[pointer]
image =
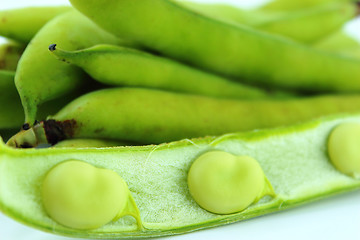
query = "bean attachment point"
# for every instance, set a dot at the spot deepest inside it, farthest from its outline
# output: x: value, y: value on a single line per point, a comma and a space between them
x: 26, y: 126
x: 52, y: 47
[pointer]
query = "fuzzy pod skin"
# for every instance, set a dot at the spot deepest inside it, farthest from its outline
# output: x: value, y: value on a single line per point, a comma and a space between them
x: 10, y: 54
x: 119, y: 66
x: 294, y: 159
x: 304, y: 25
x: 153, y: 116
x: 40, y: 77
x: 239, y: 52
x: 22, y: 24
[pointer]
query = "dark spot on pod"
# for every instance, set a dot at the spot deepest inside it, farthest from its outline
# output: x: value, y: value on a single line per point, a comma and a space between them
x: 36, y: 122
x: 64, y: 60
x: 99, y: 130
x: 26, y: 126
x: 26, y: 145
x: 57, y: 131
x: 2, y: 64
x: 52, y: 47
x: 358, y: 7
x: 9, y: 50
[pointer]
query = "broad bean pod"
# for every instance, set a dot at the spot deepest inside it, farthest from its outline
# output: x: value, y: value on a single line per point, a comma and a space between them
x: 157, y: 178
x: 119, y: 66
x: 88, y: 143
x: 304, y: 25
x: 22, y: 24
x: 286, y: 5
x: 11, y: 111
x: 341, y: 43
x: 239, y: 52
x: 10, y: 54
x: 153, y: 116
x: 39, y: 77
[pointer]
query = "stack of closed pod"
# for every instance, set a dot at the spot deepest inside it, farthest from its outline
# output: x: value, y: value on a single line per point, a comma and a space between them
x: 111, y: 73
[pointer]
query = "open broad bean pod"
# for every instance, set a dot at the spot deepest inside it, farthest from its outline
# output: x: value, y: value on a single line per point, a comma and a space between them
x: 161, y: 198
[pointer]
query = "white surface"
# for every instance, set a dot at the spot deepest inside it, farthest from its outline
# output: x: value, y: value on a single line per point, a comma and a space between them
x: 334, y: 218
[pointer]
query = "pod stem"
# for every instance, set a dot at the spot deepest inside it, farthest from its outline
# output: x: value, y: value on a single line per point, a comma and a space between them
x: 45, y: 132
x: 28, y: 137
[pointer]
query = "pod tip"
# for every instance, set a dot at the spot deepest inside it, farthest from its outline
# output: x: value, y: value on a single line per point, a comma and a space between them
x: 52, y: 47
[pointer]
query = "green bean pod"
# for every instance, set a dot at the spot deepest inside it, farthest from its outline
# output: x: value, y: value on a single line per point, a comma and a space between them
x: 294, y: 160
x: 308, y: 25
x: 153, y: 116
x: 22, y: 24
x: 119, y: 66
x: 10, y: 54
x: 340, y: 43
x: 40, y: 77
x: 235, y: 51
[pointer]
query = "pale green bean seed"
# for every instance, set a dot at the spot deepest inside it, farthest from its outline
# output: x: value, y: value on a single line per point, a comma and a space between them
x: 344, y: 148
x: 81, y: 196
x: 223, y: 183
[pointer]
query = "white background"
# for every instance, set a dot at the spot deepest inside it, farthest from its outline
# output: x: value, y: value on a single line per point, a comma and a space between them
x: 334, y: 218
